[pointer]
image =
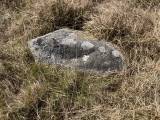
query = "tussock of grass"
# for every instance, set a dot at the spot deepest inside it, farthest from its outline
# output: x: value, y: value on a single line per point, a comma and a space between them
x: 136, y: 31
x: 147, y: 4
x: 64, y: 13
x: 14, y: 4
x: 118, y: 19
x: 29, y: 90
x: 43, y: 17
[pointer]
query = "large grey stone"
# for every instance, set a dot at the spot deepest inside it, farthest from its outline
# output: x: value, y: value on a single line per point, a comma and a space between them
x: 69, y: 48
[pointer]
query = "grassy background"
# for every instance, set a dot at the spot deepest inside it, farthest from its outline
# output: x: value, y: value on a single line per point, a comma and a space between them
x: 29, y: 90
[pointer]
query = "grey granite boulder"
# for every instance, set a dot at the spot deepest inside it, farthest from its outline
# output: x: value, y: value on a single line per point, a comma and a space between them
x: 74, y: 49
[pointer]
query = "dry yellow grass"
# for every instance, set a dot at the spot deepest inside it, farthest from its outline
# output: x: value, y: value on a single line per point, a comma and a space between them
x: 29, y: 90
x: 134, y: 30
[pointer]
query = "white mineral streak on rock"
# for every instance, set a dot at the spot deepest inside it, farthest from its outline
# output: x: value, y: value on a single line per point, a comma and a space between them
x: 87, y: 45
x: 115, y: 53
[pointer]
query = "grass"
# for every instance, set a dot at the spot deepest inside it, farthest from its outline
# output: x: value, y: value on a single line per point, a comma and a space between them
x: 147, y: 4
x: 30, y: 90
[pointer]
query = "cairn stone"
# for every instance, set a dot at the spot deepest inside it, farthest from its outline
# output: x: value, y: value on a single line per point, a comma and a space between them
x: 68, y: 48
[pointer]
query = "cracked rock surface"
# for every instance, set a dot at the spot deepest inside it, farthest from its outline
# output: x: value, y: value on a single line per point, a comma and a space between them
x: 67, y: 48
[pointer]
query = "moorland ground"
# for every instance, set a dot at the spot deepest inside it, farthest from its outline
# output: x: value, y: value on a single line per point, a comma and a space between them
x: 30, y: 90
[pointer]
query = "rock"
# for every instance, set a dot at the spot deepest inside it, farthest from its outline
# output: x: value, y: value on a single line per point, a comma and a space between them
x: 69, y: 48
